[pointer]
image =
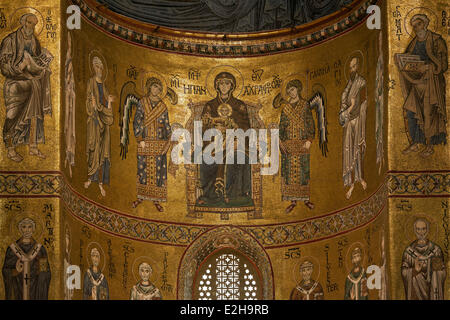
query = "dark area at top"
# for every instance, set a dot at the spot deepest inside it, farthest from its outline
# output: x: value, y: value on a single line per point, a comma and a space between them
x: 225, y: 15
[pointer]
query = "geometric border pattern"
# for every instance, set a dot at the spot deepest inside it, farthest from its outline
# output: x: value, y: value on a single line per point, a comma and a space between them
x: 35, y: 184
x: 53, y: 184
x: 181, y: 42
x: 22, y: 183
x: 431, y: 183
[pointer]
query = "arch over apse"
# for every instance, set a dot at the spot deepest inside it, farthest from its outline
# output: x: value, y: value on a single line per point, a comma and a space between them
x: 223, y: 238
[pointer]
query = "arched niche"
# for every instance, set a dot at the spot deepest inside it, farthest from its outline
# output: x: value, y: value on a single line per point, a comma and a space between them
x: 209, y: 247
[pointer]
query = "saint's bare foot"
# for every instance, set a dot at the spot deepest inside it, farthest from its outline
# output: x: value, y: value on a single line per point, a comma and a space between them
x: 102, y: 191
x: 349, y: 192
x: 364, y: 184
x: 36, y: 152
x: 14, y: 156
x: 411, y: 148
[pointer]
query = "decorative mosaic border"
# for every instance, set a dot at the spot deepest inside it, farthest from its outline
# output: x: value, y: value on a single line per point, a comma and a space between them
x: 53, y: 184
x: 183, y: 44
x: 27, y: 184
x: 140, y: 229
x: 323, y: 227
x: 430, y: 184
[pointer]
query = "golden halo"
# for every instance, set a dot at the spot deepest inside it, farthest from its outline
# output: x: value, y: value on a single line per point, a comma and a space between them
x: 67, y: 230
x: 296, y: 269
x: 144, y: 75
x: 89, y: 247
x: 409, y: 233
x: 433, y: 25
x: 299, y: 76
x: 224, y: 110
x: 96, y: 53
x: 14, y: 226
x: 348, y: 257
x: 224, y: 68
x: 137, y: 262
x: 18, y: 13
x: 358, y: 54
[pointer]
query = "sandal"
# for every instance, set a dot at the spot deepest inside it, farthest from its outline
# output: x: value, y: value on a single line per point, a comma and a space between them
x: 158, y: 207
x: 136, y: 203
x: 291, y: 207
x: 309, y: 204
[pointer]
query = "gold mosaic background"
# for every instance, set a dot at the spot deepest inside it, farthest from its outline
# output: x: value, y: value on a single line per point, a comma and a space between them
x: 325, y: 64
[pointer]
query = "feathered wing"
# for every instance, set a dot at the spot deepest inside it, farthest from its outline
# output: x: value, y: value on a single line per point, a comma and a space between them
x: 172, y: 96
x: 129, y: 98
x: 317, y: 103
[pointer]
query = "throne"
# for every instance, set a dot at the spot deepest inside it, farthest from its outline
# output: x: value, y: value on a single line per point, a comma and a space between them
x: 193, y: 187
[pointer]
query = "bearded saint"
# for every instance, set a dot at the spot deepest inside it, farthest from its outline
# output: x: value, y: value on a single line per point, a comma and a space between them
x: 26, y: 89
x: 352, y: 117
x: 424, y: 89
x: 423, y: 268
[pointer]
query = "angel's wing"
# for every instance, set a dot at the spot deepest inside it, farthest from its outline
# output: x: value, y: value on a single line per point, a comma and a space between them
x: 317, y: 103
x: 196, y: 114
x: 128, y: 98
x: 172, y: 96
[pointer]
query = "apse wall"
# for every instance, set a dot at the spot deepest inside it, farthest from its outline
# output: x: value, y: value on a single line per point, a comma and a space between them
x: 189, y: 237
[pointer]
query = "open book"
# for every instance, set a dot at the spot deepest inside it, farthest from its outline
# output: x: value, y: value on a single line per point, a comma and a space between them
x: 37, y: 63
x: 408, y: 62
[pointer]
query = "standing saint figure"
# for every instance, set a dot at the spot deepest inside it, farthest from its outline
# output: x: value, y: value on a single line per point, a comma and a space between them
x: 352, y: 117
x: 27, y: 93
x: 144, y: 289
x: 423, y: 267
x: 26, y: 271
x: 297, y: 131
x: 356, y: 281
x: 152, y: 131
x: 100, y: 118
x: 379, y: 103
x: 423, y: 88
x: 69, y: 116
x: 307, y: 289
x: 95, y: 286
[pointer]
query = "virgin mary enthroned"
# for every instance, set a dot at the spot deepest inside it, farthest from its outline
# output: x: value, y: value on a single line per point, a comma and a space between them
x: 225, y: 185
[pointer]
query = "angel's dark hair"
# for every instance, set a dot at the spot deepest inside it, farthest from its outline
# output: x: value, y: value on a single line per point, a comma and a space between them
x: 295, y: 83
x: 151, y: 81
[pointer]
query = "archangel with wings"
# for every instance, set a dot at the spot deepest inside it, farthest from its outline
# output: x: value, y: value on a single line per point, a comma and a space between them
x: 152, y: 130
x: 297, y: 130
